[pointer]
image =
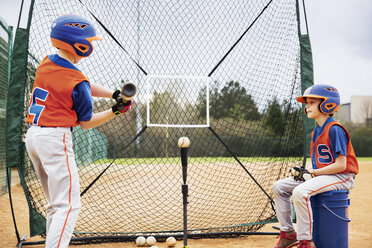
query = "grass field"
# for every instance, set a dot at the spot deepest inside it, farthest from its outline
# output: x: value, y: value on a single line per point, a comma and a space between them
x: 157, y: 160
x: 134, y: 161
x: 364, y: 159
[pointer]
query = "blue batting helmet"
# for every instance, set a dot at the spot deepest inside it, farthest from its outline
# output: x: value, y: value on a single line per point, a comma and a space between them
x: 74, y: 34
x: 329, y: 94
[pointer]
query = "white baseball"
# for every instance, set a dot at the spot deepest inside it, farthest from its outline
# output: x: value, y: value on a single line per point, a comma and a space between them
x: 171, y: 241
x: 154, y: 246
x: 150, y: 240
x: 183, y: 142
x: 140, y: 241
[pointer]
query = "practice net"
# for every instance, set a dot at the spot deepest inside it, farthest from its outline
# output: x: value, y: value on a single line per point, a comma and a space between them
x: 223, y: 73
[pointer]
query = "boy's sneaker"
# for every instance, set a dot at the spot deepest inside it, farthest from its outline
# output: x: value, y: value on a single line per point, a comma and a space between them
x: 306, y: 244
x: 287, y: 240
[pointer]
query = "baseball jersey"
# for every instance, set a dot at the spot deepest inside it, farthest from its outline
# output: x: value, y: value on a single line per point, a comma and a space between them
x: 327, y: 142
x: 60, y: 96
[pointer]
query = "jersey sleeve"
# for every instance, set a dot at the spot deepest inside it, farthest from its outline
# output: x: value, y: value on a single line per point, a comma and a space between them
x: 82, y: 97
x: 339, y: 140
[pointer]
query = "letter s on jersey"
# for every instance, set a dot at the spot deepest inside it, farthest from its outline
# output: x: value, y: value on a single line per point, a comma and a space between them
x: 36, y: 109
x: 324, y: 153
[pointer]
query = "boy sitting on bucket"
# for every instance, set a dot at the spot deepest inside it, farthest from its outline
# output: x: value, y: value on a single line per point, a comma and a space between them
x: 334, y: 167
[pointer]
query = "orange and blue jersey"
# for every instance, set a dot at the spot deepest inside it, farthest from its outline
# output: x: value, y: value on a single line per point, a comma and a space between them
x: 328, y: 142
x: 61, y: 96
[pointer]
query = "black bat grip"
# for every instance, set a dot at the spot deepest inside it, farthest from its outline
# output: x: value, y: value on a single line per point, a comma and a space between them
x: 121, y: 99
x: 185, y: 193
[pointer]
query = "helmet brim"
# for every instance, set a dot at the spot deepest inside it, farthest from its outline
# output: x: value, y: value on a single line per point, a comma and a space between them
x: 302, y: 99
x: 97, y: 37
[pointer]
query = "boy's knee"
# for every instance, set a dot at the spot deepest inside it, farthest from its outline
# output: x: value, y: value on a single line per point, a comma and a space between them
x: 277, y: 188
x: 298, y: 195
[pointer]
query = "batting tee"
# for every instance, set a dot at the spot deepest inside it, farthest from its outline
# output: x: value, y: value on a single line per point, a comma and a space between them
x: 223, y: 73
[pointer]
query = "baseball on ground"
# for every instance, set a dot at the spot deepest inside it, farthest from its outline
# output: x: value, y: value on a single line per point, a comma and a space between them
x: 140, y: 241
x: 171, y: 241
x: 183, y: 142
x: 150, y: 240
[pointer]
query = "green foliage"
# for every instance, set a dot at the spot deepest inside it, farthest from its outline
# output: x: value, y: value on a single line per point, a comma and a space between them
x: 360, y: 131
x: 232, y: 101
x: 165, y: 109
x: 361, y: 139
x: 274, y: 117
x: 283, y: 118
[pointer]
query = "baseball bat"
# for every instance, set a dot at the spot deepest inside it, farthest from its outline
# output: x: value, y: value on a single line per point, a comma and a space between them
x: 127, y: 92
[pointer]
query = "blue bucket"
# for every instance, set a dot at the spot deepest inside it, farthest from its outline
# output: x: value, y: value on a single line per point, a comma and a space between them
x: 330, y: 215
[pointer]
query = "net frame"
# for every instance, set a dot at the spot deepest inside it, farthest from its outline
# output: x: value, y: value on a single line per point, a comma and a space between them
x: 215, y: 232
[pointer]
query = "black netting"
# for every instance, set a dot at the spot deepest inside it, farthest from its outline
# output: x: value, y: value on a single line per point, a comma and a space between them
x: 252, y: 109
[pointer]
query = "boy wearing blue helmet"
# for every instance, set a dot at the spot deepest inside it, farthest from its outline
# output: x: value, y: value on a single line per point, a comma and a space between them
x: 61, y: 99
x: 334, y: 167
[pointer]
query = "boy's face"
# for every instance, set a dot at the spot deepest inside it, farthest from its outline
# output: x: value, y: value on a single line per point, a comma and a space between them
x: 312, y: 107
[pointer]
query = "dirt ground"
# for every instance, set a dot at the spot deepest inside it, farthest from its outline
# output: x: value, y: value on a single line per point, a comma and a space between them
x: 360, y: 228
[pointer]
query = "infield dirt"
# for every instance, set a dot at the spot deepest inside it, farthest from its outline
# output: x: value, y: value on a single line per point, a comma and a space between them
x: 360, y: 228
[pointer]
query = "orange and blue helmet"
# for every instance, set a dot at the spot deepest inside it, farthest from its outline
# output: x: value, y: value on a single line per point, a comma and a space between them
x: 329, y: 95
x: 74, y: 34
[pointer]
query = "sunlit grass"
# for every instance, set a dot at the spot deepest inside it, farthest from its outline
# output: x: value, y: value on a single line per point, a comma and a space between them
x: 171, y: 160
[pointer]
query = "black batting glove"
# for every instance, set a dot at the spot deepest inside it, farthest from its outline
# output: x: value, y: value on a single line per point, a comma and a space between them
x: 116, y: 95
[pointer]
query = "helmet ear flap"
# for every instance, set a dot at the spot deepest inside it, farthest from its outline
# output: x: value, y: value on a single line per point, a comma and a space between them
x: 83, y: 48
x: 328, y: 107
x: 320, y: 106
x: 305, y: 106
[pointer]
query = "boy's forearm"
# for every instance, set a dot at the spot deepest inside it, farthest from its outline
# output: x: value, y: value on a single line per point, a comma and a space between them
x: 97, y: 119
x: 338, y: 166
x: 100, y: 91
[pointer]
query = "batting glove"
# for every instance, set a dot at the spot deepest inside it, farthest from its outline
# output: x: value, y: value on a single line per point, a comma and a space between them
x: 116, y: 95
x: 121, y: 107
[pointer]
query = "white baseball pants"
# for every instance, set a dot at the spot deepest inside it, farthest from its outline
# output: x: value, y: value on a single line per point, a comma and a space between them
x: 50, y: 150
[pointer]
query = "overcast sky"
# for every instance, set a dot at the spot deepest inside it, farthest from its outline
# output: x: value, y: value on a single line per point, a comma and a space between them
x: 340, y: 34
